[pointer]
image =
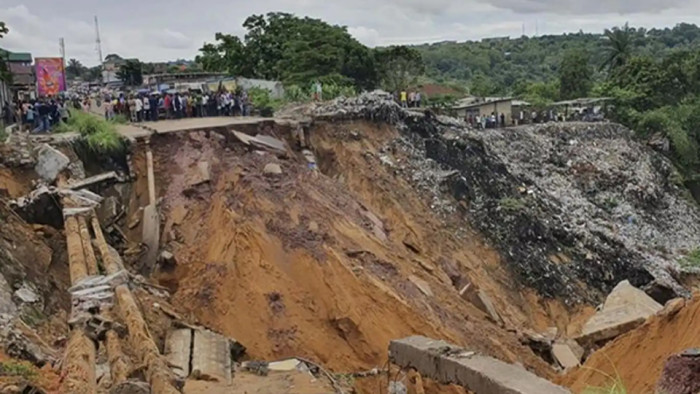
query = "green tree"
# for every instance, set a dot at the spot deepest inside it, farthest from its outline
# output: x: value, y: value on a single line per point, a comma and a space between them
x: 399, y: 67
x: 4, y: 71
x: 619, y: 47
x: 130, y: 73
x: 295, y: 50
x: 575, y: 75
x: 75, y: 69
x: 93, y: 73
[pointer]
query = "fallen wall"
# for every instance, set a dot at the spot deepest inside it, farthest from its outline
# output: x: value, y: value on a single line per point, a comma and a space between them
x: 481, y: 374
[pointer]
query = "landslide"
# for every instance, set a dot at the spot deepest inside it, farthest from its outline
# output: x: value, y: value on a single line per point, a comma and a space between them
x: 330, y: 264
x: 638, y: 357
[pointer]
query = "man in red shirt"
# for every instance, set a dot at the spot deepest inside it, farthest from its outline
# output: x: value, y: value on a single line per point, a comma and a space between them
x: 167, y: 104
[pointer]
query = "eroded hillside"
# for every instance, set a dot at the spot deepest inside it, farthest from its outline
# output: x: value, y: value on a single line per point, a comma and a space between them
x: 327, y: 234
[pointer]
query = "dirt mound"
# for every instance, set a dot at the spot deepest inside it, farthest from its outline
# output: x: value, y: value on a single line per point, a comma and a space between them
x: 638, y: 357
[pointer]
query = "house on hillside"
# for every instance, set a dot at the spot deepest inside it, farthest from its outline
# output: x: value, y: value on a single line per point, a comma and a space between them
x: 582, y: 107
x: 475, y: 106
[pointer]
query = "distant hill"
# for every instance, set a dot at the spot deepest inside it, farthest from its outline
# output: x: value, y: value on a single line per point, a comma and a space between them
x: 502, y: 62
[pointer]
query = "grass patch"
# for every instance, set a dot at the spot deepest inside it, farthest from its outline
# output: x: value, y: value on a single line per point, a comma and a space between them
x: 615, y: 387
x: 692, y: 260
x: 119, y: 119
x: 100, y: 136
x: 615, y: 384
x: 14, y: 368
x: 511, y: 204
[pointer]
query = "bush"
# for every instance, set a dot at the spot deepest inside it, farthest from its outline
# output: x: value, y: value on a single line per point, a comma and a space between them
x: 511, y: 204
x: 261, y: 100
x: 21, y: 369
x: 692, y: 260
x: 99, y: 135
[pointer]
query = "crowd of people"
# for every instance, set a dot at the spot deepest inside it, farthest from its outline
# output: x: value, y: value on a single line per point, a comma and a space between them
x: 37, y: 116
x: 487, y: 121
x: 408, y: 99
x: 153, y: 106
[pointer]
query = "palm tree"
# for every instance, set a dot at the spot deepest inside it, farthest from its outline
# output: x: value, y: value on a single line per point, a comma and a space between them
x: 619, y: 48
x: 74, y: 68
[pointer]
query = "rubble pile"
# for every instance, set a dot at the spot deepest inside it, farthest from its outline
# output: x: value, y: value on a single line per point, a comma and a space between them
x: 575, y: 208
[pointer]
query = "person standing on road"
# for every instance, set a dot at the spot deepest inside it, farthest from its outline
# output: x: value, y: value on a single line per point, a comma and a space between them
x: 138, y: 108
x: 63, y: 111
x: 404, y: 99
x: 503, y: 120
x: 418, y: 99
x: 146, y: 109
x: 167, y: 105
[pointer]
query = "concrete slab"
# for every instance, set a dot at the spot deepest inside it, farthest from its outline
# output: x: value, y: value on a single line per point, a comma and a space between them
x: 626, y: 294
x: 150, y: 236
x: 565, y: 356
x: 108, y: 176
x: 284, y: 365
x: 610, y: 323
x: 448, y: 363
x: 50, y: 162
x: 625, y: 308
x: 481, y: 300
x: 175, y: 125
x: 177, y: 350
x: 211, y: 356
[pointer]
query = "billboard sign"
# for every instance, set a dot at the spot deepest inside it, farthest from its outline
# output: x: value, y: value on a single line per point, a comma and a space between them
x: 50, y: 78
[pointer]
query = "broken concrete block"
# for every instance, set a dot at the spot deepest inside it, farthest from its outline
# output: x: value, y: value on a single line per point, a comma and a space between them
x: 50, y: 163
x: 177, y: 350
x: 27, y: 294
x: 150, y: 236
x: 448, y: 363
x: 108, y: 176
x: 284, y: 365
x: 480, y: 300
x: 625, y: 308
x: 422, y: 285
x: 564, y: 356
x: 272, y: 169
x: 269, y: 142
x: 625, y: 294
x: 7, y: 306
x: 166, y: 258
x: 211, y: 356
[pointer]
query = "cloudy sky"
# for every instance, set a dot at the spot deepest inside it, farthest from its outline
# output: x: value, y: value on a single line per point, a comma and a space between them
x: 156, y: 30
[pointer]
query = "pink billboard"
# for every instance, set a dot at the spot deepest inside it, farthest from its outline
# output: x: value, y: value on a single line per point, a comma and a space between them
x: 50, y: 79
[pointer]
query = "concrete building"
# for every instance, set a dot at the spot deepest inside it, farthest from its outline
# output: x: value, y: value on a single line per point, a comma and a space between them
x: 484, y: 107
x: 23, y: 83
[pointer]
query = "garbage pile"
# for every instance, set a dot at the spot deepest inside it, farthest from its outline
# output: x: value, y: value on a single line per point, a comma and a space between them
x: 575, y: 208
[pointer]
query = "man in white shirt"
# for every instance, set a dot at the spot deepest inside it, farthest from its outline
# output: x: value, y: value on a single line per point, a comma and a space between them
x: 138, y: 106
x: 146, y: 108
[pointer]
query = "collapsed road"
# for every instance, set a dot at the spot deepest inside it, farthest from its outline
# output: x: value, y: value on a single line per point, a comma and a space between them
x: 322, y: 236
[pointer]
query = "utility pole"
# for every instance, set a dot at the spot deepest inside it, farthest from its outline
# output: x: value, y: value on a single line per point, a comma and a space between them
x: 98, y: 42
x: 62, y: 46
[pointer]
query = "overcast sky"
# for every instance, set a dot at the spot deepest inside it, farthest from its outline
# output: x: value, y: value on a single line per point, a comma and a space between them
x: 157, y: 30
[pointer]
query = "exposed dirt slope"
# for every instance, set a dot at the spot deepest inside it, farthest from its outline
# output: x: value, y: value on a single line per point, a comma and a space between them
x: 317, y: 264
x: 639, y: 356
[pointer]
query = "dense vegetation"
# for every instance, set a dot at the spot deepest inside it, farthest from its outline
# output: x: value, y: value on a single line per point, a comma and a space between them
x: 498, y: 65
